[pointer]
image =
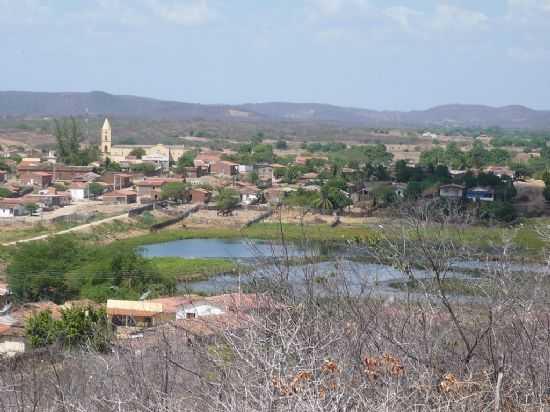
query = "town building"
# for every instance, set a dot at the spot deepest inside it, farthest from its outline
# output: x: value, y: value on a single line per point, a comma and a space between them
x: 39, y: 179
x: 134, y: 313
x: 158, y: 154
x: 224, y: 168
x: 451, y: 191
x: 79, y: 191
x: 200, y: 195
x: 12, y: 207
x: 480, y: 194
x: 121, y: 197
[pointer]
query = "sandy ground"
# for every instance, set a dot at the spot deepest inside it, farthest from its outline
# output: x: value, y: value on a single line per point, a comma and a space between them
x: 210, y: 218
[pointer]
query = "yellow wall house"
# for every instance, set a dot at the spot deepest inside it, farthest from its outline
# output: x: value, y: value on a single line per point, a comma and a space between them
x: 134, y: 313
x: 119, y: 153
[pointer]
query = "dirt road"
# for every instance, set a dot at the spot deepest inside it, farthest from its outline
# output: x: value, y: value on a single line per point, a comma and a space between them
x: 73, y: 229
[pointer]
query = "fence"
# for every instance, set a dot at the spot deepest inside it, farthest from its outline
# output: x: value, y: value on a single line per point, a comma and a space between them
x: 177, y: 219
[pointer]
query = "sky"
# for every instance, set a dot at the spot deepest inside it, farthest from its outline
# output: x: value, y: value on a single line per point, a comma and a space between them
x: 377, y: 54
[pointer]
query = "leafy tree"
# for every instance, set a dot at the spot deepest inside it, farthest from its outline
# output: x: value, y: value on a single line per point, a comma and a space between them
x: 186, y: 160
x: 95, y: 189
x: 5, y: 192
x: 176, y: 191
x: 69, y: 138
x: 31, y: 207
x: 138, y: 152
x: 78, y: 327
x: 402, y: 171
x: 228, y: 199
x: 281, y: 144
x: 292, y: 174
x: 147, y: 169
x: 413, y: 190
x: 262, y: 153
x: 111, y: 166
x: 37, y: 269
x: 41, y: 329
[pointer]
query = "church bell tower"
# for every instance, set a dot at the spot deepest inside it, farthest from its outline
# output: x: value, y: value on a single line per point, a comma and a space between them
x: 105, y: 148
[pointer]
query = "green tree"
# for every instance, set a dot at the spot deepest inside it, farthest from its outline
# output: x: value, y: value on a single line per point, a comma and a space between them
x: 84, y: 327
x: 147, y: 169
x: 176, y: 191
x: 31, y: 207
x: 292, y: 174
x: 228, y: 199
x: 95, y: 189
x: 281, y: 144
x: 69, y: 138
x: 186, y: 160
x: 138, y: 152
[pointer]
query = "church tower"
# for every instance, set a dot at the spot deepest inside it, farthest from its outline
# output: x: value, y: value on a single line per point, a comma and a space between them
x: 105, y: 147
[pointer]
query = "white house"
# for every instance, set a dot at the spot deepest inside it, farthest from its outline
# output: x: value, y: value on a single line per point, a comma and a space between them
x: 198, y: 309
x: 78, y: 191
x: 11, y: 208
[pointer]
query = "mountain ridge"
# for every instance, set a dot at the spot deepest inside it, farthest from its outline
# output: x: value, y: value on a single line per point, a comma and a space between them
x: 95, y: 103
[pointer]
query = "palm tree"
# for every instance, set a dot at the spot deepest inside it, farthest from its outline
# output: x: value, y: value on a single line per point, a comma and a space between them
x: 324, y: 202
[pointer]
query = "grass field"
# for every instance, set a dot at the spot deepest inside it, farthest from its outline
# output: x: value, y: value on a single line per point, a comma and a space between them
x: 193, y: 269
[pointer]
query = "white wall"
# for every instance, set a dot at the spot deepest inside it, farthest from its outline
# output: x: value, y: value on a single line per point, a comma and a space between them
x: 199, y: 310
x: 77, y: 194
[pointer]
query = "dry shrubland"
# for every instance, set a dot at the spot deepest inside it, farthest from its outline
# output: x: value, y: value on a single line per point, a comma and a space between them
x: 329, y: 347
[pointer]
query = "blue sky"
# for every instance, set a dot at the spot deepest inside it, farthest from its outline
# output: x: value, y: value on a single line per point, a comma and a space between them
x: 392, y: 54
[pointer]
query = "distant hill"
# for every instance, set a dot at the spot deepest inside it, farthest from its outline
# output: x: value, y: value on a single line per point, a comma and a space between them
x: 34, y: 104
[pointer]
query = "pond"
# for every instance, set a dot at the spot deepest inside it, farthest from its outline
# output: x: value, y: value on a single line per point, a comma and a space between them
x: 338, y: 269
x: 219, y: 248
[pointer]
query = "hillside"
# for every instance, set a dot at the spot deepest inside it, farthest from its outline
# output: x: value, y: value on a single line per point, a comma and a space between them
x: 33, y: 104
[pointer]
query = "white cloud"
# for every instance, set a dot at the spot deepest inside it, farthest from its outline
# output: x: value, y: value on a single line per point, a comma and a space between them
x: 184, y: 12
x: 529, y: 6
x: 122, y: 12
x: 336, y: 8
x: 451, y: 18
x: 403, y: 16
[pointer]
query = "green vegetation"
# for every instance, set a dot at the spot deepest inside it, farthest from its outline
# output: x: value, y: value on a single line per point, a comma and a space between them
x: 228, y: 199
x: 186, y: 160
x: 146, y: 168
x: 64, y: 267
x: 69, y: 138
x: 138, y: 152
x: 176, y: 191
x: 478, y: 156
x: 85, y: 327
x: 192, y: 269
x: 95, y: 189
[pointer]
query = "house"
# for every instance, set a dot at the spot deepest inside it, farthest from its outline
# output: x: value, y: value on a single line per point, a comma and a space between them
x: 196, y: 171
x: 199, y: 195
x: 480, y: 194
x: 451, y: 191
x: 302, y: 160
x: 79, y: 191
x: 87, y: 177
x: 249, y: 195
x: 49, y: 198
x: 123, y: 197
x: 307, y: 177
x: 12, y: 207
x: 117, y: 180
x: 198, y: 309
x: 244, y: 169
x: 59, y: 171
x: 134, y: 313
x: 499, y: 171
x: 148, y: 190
x: 160, y: 161
x: 224, y: 168
x: 264, y: 172
x: 207, y: 158
x: 39, y: 179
